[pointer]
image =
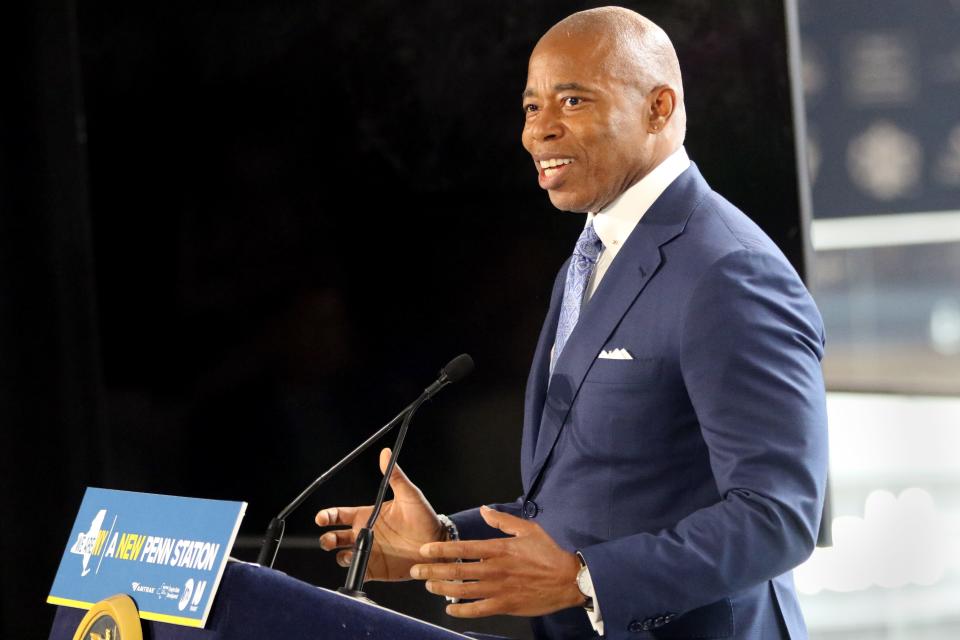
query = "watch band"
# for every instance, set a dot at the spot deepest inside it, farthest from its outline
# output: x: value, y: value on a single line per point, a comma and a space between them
x: 449, y: 527
x: 453, y: 534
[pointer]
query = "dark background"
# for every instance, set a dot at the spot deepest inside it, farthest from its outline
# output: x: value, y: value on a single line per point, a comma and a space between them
x: 235, y: 240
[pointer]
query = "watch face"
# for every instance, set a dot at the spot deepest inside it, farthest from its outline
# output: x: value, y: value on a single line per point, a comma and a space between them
x: 582, y: 583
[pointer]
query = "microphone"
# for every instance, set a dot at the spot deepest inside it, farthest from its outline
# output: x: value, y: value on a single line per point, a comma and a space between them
x: 455, y: 370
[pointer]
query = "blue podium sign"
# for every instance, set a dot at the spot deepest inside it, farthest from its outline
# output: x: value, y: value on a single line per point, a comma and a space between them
x: 168, y: 553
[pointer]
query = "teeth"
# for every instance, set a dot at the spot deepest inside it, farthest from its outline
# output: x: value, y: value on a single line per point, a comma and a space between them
x: 549, y: 171
x: 555, y: 162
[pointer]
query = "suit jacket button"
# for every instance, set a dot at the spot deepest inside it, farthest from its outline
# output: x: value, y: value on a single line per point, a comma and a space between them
x: 530, y: 509
x: 659, y: 621
x: 635, y: 626
x: 647, y: 625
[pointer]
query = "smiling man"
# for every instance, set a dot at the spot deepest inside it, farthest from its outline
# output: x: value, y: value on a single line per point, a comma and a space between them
x: 674, y: 440
x: 591, y: 137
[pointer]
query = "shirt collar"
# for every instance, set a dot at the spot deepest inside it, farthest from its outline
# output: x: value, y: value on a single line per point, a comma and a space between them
x: 618, y: 219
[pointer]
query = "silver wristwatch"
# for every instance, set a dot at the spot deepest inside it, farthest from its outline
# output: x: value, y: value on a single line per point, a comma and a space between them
x: 584, y: 583
x: 450, y: 528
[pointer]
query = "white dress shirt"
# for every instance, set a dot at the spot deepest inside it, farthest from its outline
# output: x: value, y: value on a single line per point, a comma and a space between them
x: 614, y: 224
x: 617, y: 220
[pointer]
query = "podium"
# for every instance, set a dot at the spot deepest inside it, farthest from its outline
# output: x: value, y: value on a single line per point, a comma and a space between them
x: 254, y: 603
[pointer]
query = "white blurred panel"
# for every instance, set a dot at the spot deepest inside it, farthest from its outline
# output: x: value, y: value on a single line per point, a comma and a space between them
x: 894, y: 569
x: 892, y: 437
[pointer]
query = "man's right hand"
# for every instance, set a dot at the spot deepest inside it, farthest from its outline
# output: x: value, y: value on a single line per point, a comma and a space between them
x: 405, y: 524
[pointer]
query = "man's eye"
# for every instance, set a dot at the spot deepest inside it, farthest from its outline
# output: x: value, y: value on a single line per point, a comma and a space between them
x: 529, y: 108
x: 572, y: 101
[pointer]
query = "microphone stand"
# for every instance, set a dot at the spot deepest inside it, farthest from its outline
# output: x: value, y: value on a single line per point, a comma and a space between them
x: 455, y: 370
x: 353, y: 586
x: 274, y: 534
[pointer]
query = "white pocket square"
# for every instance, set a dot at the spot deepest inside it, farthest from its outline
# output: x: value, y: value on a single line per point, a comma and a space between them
x: 615, y: 354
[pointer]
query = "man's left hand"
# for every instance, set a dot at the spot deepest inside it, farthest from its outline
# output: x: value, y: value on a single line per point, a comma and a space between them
x: 524, y: 575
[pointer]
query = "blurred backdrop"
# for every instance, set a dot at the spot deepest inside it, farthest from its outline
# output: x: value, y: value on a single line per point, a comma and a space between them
x: 237, y: 239
x: 882, y: 93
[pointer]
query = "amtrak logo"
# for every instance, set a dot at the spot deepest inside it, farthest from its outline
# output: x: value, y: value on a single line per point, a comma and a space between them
x: 136, y: 587
x: 90, y: 543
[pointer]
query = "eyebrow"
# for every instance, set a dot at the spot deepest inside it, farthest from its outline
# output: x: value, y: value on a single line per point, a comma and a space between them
x: 564, y: 86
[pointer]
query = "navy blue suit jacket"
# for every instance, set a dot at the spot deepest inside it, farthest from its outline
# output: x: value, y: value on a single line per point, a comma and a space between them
x: 692, y: 477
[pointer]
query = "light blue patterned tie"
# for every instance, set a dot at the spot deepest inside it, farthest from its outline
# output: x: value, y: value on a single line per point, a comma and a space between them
x: 585, y: 256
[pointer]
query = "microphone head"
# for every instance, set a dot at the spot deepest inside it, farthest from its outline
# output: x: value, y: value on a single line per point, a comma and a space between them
x: 458, y: 368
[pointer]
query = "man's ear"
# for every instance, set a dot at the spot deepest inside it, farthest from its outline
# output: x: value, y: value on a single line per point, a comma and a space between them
x: 662, y: 105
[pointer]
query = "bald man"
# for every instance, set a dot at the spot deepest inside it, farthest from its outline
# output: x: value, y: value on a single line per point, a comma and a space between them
x: 674, y: 442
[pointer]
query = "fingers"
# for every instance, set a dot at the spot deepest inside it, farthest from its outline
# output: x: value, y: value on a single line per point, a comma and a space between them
x: 340, y: 539
x: 462, y: 590
x: 336, y: 515
x: 504, y: 521
x: 399, y: 482
x: 455, y: 571
x: 344, y: 558
x: 478, y: 609
x: 464, y: 549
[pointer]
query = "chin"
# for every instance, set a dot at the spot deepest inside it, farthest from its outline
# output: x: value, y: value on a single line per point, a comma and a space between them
x: 567, y: 202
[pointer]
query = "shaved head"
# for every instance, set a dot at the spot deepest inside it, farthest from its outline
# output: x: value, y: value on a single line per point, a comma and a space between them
x: 603, y: 106
x: 636, y: 49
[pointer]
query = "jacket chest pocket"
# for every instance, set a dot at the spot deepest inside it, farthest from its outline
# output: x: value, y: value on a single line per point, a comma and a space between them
x: 639, y: 371
x: 629, y: 402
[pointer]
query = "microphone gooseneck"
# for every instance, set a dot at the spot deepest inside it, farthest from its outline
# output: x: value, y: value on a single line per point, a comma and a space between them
x: 274, y: 534
x: 455, y: 370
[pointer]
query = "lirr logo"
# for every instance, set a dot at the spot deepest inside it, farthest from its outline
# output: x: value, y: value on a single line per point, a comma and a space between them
x: 91, y: 543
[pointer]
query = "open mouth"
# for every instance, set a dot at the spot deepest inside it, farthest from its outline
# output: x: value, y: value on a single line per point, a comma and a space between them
x: 552, y: 171
x: 553, y: 166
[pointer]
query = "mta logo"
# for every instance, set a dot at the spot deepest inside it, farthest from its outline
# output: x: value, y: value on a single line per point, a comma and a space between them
x: 192, y: 589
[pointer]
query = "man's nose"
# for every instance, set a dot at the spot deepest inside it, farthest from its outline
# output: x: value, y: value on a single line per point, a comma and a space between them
x: 546, y: 126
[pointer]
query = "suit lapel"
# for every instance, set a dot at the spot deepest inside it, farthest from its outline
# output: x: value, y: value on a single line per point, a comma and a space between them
x: 539, y: 375
x: 636, y: 263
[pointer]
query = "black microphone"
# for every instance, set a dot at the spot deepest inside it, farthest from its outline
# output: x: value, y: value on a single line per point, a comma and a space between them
x: 455, y: 370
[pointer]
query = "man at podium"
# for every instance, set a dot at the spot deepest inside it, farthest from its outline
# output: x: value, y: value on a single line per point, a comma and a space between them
x: 674, y: 447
